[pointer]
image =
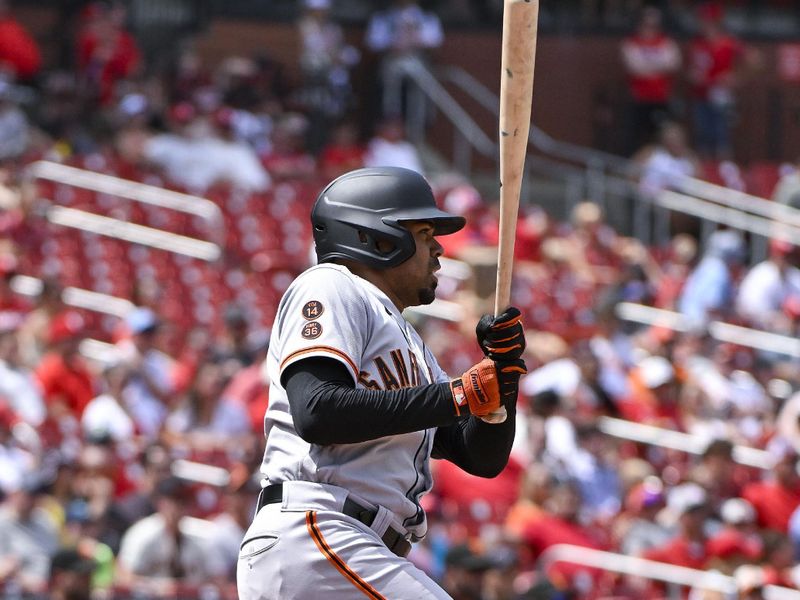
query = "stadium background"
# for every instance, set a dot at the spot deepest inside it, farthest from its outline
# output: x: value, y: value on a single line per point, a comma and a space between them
x: 667, y: 435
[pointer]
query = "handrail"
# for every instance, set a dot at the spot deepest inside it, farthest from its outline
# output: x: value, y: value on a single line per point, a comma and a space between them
x: 740, y: 200
x: 650, y: 569
x: 131, y: 232
x: 537, y: 137
x: 462, y: 121
x: 724, y: 332
x: 677, y: 440
x: 77, y: 297
x: 131, y: 190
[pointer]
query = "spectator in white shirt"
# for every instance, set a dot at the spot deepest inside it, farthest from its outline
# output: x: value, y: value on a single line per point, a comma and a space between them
x: 196, y: 160
x: 766, y: 288
x: 389, y: 148
x: 169, y: 548
x: 17, y: 385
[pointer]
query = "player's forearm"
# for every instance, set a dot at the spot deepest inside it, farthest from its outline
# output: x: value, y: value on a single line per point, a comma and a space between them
x: 479, y: 448
x: 327, y: 409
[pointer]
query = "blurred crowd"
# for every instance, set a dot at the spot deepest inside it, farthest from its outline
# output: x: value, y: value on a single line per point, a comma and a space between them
x: 130, y: 443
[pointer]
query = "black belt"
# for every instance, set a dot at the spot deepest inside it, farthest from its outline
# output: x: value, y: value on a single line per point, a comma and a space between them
x: 394, y: 540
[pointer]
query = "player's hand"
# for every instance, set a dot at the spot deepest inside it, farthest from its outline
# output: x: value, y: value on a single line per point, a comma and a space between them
x: 477, y: 391
x: 502, y: 337
x: 508, y: 375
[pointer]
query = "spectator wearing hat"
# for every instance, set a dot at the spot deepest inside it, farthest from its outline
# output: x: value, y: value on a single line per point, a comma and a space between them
x: 637, y: 528
x: 777, y: 496
x: 169, y: 549
x: 70, y: 575
x: 654, y: 394
x: 148, y: 393
x: 28, y: 538
x: 771, y: 287
x: 67, y: 383
x: 738, y: 541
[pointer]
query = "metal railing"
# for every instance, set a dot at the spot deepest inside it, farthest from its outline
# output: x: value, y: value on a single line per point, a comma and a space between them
x: 76, y: 297
x: 134, y: 191
x: 723, y: 332
x: 594, y: 174
x: 677, y: 440
x: 131, y: 232
x: 641, y: 568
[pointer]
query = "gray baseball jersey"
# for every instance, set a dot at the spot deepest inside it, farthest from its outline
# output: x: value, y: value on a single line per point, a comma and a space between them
x: 329, y: 312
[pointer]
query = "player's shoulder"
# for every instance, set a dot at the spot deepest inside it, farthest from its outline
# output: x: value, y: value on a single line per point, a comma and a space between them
x: 326, y: 276
x: 327, y: 283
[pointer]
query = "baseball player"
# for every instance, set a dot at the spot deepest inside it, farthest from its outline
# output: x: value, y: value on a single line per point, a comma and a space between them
x: 358, y: 405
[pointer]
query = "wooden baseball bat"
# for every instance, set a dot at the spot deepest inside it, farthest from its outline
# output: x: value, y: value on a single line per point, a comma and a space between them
x: 520, y: 23
x: 520, y: 20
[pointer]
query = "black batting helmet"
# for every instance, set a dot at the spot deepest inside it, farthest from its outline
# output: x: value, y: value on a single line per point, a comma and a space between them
x: 362, y: 207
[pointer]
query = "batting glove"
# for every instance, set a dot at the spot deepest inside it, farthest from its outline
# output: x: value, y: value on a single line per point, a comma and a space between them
x: 487, y: 386
x: 502, y: 337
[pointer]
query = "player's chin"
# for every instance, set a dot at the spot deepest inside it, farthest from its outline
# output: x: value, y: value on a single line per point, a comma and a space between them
x: 427, y: 295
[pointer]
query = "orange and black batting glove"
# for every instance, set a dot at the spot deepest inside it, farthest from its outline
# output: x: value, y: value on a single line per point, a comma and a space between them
x: 477, y: 391
x: 502, y: 337
x: 487, y: 386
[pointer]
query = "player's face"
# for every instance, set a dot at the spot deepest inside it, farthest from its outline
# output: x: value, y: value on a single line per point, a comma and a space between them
x: 414, y: 281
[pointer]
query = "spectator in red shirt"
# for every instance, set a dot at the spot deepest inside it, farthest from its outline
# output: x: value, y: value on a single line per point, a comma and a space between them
x: 689, y: 548
x: 106, y: 53
x: 344, y: 152
x: 559, y: 524
x: 67, y: 384
x: 19, y: 52
x: 776, y: 499
x: 714, y: 58
x: 650, y: 58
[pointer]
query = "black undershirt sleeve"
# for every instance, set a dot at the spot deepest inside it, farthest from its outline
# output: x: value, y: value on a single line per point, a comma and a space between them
x: 327, y: 409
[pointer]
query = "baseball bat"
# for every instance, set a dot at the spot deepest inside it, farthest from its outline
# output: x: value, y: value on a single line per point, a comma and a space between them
x: 520, y: 20
x: 520, y: 23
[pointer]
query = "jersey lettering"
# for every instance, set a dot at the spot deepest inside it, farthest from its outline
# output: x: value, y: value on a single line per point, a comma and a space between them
x: 365, y: 380
x: 414, y: 368
x: 389, y: 380
x: 400, y: 366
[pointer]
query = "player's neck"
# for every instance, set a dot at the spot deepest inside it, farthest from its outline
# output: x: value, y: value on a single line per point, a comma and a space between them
x: 379, y: 280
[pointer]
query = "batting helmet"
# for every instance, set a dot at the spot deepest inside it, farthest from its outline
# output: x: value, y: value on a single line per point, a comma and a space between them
x: 360, y: 208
